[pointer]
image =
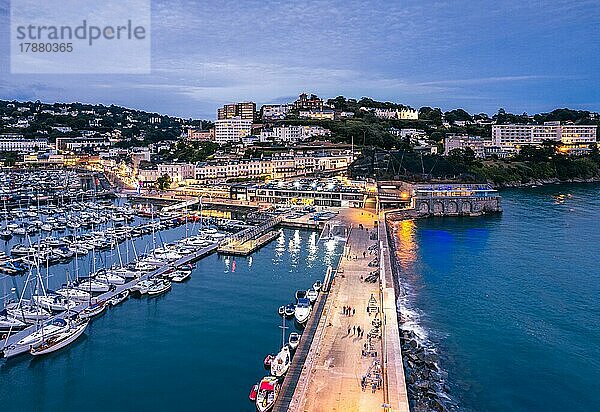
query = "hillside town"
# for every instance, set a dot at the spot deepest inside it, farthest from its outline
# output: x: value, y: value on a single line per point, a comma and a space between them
x: 306, y: 137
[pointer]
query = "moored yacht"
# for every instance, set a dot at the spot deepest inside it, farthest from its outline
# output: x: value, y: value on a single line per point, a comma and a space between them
x: 281, y: 362
x: 268, y: 389
x: 294, y: 340
x: 34, y: 339
x: 302, y: 311
x: 312, y: 295
x: 26, y: 311
x: 9, y: 323
x: 159, y: 287
x: 94, y: 309
x: 54, y: 302
x: 60, y: 340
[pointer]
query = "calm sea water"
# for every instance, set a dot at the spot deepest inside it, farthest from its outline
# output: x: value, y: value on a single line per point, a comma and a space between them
x: 512, y: 303
x: 199, y: 347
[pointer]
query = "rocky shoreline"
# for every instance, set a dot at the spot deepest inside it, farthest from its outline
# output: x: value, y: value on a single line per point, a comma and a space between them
x: 426, y: 381
x: 544, y: 182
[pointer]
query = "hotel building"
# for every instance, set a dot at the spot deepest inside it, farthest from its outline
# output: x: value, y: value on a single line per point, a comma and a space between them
x: 232, y: 130
x: 512, y: 136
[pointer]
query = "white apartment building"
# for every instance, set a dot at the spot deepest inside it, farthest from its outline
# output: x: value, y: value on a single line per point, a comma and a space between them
x: 460, y: 141
x: 292, y: 133
x: 279, y: 166
x: 178, y: 172
x: 512, y: 136
x: 16, y: 143
x: 251, y: 168
x: 232, y: 130
x: 400, y: 114
x: 324, y: 114
x: 274, y: 111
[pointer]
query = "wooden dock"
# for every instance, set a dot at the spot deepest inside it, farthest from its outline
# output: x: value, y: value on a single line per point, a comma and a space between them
x: 14, y: 338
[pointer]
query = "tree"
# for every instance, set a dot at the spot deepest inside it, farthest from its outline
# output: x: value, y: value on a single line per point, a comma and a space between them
x: 163, y: 182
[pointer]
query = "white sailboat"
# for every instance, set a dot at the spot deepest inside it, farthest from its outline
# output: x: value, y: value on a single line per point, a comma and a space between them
x: 60, y: 340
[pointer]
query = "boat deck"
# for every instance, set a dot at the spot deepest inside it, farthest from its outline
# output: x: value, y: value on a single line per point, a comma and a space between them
x: 12, y: 339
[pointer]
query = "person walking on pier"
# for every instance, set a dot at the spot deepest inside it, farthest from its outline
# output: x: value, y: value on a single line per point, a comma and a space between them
x: 353, y: 330
x: 358, y: 330
x: 353, y: 311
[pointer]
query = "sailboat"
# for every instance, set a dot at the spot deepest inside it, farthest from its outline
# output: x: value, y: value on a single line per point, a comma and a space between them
x: 281, y: 363
x: 74, y: 330
x: 93, y: 310
x: 118, y: 298
x: 27, y: 311
x: 9, y: 323
x: 36, y: 338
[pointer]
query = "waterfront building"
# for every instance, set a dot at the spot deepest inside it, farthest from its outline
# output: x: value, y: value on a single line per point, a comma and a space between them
x: 178, y: 172
x: 274, y: 111
x: 323, y: 114
x: 512, y: 136
x: 148, y: 176
x: 244, y: 110
x: 412, y: 133
x: 310, y: 192
x: 17, y: 143
x: 201, y: 135
x: 308, y: 103
x: 232, y: 130
x: 276, y: 167
x: 81, y: 144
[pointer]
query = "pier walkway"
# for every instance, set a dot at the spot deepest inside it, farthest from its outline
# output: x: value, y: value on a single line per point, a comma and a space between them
x: 14, y: 338
x: 333, y: 370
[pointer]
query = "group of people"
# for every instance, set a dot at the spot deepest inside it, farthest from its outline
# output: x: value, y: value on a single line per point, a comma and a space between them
x: 356, y: 330
x: 349, y: 311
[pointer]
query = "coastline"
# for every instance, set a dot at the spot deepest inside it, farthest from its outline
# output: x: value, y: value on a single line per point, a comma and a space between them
x: 424, y: 373
x: 544, y: 182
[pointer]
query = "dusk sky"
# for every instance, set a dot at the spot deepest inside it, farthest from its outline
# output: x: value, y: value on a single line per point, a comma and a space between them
x: 523, y: 56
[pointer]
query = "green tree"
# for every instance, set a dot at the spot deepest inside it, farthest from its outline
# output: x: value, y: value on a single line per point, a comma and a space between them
x: 163, y: 182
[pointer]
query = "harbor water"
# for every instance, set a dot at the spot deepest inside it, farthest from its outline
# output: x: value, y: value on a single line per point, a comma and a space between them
x: 199, y: 347
x: 510, y: 303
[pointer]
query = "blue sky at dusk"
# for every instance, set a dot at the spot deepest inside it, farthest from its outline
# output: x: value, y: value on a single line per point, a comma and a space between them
x: 523, y: 56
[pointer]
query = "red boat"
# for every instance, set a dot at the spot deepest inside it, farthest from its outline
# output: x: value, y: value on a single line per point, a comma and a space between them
x: 253, y: 392
x: 268, y: 359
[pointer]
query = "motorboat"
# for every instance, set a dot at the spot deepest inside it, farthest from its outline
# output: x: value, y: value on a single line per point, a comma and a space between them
x: 27, y: 312
x: 6, y: 234
x: 268, y: 389
x: 290, y: 310
x: 73, y: 293
x: 281, y: 362
x: 300, y: 294
x: 118, y: 298
x: 181, y: 275
x: 317, y: 285
x: 294, y: 340
x: 22, y: 250
x: 62, y: 339
x: 268, y: 360
x: 54, y: 302
x: 159, y: 287
x: 93, y: 310
x: 9, y: 323
x: 253, y: 392
x: 142, y: 286
x: 302, y: 311
x: 281, y: 311
x: 312, y: 295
